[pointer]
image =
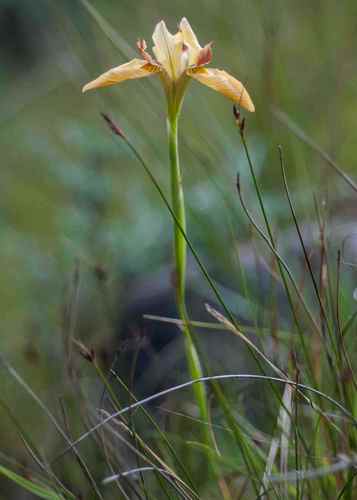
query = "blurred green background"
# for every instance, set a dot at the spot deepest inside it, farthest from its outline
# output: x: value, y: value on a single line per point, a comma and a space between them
x: 71, y: 195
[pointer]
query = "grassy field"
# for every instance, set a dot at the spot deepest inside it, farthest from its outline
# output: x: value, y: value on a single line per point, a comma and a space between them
x: 86, y: 238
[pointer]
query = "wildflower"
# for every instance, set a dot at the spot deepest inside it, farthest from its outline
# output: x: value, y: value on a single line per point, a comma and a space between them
x: 178, y: 59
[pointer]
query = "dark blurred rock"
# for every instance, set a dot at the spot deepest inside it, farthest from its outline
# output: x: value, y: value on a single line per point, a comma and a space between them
x: 151, y: 354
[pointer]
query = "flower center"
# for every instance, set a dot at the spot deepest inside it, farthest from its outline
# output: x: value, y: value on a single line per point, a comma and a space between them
x: 175, y: 53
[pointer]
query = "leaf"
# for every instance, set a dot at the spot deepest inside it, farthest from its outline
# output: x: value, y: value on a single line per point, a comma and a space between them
x: 34, y: 488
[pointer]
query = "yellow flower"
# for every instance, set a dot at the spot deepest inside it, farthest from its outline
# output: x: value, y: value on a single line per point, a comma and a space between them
x: 178, y: 58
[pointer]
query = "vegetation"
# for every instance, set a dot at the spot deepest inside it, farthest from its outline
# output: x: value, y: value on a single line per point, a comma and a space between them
x: 270, y: 212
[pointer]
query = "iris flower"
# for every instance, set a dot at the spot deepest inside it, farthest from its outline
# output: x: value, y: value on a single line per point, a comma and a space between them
x: 178, y: 59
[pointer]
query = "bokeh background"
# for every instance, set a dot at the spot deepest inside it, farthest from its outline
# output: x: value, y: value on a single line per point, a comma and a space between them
x: 74, y: 202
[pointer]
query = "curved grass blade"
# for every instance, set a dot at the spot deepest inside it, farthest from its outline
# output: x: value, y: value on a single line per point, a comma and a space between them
x: 239, y: 376
x: 30, y: 486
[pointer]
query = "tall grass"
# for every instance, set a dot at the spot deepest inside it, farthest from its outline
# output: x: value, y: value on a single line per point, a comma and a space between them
x: 301, y: 446
x: 309, y: 451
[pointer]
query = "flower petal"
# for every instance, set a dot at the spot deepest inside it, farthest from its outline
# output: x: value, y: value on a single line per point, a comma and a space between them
x: 141, y: 46
x: 168, y: 50
x: 190, y: 39
x: 224, y: 83
x: 205, y: 55
x: 137, y: 68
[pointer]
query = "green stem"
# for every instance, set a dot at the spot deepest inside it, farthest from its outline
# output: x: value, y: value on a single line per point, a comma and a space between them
x: 180, y: 249
x: 178, y: 204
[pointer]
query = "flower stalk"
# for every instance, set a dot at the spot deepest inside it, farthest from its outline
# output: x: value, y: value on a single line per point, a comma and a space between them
x: 177, y: 59
x: 178, y: 205
x: 180, y: 253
